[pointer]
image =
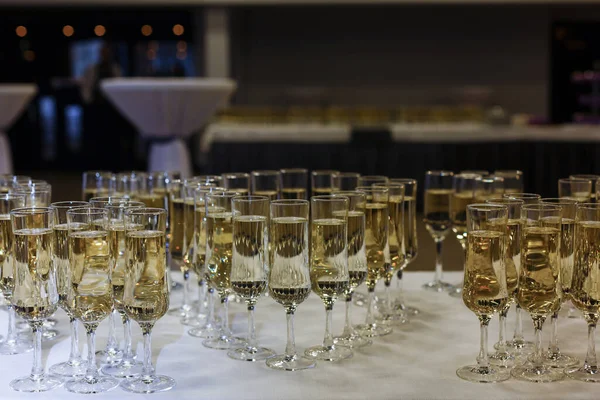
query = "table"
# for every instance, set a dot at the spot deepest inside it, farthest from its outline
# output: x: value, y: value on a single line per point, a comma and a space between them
x: 13, y: 99
x: 417, y: 361
x: 168, y: 110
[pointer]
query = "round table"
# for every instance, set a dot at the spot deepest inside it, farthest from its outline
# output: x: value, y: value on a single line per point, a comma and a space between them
x: 13, y: 99
x: 168, y: 110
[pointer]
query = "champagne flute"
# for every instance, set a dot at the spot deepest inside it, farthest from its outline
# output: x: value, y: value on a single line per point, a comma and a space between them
x: 13, y: 343
x: 438, y: 188
x: 346, y: 181
x: 289, y: 276
x: 409, y: 242
x: 210, y: 179
x: 378, y: 253
x: 293, y: 183
x: 513, y: 180
x: 576, y: 189
x: 463, y: 194
x: 357, y: 264
x: 322, y: 182
x: 146, y: 291
x: 240, y: 181
x: 128, y: 183
x: 97, y: 183
x: 369, y: 180
x: 329, y: 266
x: 7, y: 181
x: 593, y: 178
x: 485, y: 291
x: 103, y: 201
x: 540, y: 290
x: 75, y: 365
x: 266, y: 183
x: 481, y: 172
x: 91, y: 294
x: 35, y: 296
x: 36, y: 196
x: 553, y: 357
x: 585, y: 286
x: 219, y: 252
x: 250, y: 265
x: 512, y: 262
x: 488, y: 187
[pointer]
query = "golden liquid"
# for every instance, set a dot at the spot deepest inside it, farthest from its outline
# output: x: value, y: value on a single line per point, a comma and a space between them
x: 188, y: 235
x: 199, y: 239
x: 289, y: 278
x: 219, y: 249
x: 458, y: 215
x: 249, y: 289
x: 7, y: 283
x: 585, y: 286
x: 437, y: 212
x: 34, y: 295
x: 581, y: 197
x: 484, y: 290
x: 329, y: 258
x: 513, y: 256
x: 271, y: 194
x: 567, y: 255
x: 322, y: 191
x: 91, y: 298
x: 153, y: 200
x: 176, y: 225
x: 146, y: 297
x: 116, y: 240
x: 357, y: 253
x: 376, y: 240
x: 90, y: 193
x: 395, y: 228
x: 410, y: 243
x: 249, y: 268
x: 61, y: 264
x: 539, y: 287
x: 293, y: 193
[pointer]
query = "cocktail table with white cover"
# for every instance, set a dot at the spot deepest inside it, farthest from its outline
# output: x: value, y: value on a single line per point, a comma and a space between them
x: 13, y: 99
x: 167, y: 110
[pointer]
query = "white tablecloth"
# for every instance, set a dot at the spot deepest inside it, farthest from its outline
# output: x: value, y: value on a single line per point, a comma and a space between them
x: 417, y: 361
x: 168, y: 108
x: 13, y: 99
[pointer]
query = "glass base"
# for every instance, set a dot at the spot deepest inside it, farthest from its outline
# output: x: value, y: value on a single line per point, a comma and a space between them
x: 49, y: 335
x: 180, y: 312
x: 328, y: 353
x: 251, y: 354
x: 286, y: 363
x: 410, y: 311
x: 43, y: 384
x: 502, y: 359
x: 540, y: 375
x: 584, y: 373
x: 124, y: 369
x: 559, y: 360
x: 109, y: 356
x: 455, y: 291
x: 359, y: 299
x: 517, y: 346
x: 353, y: 340
x: 373, y: 330
x: 16, y: 346
x: 474, y: 373
x: 148, y: 384
x: 209, y: 331
x: 437, y: 286
x: 69, y: 369
x: 98, y: 385
x: 194, y: 321
x: 223, y: 343
x: 397, y: 318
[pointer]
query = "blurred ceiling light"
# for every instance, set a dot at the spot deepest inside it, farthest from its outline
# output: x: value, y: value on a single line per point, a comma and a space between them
x: 68, y: 30
x: 181, y: 46
x: 29, y: 55
x: 178, y: 29
x: 99, y: 30
x: 146, y: 30
x: 21, y: 31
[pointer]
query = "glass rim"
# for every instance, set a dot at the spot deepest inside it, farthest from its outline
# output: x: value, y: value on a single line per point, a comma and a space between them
x: 24, y: 211
x: 69, y: 204
x: 489, y: 179
x: 224, y: 194
x: 12, y: 195
x: 101, y: 173
x: 578, y: 180
x: 318, y: 172
x: 585, y: 176
x: 468, y: 175
x: 486, y: 207
x: 136, y: 204
x: 504, y: 200
x: 33, y: 189
x: 516, y: 172
x: 293, y: 170
x: 87, y: 211
x: 229, y: 175
x: 395, y: 185
x: 266, y: 172
x: 290, y: 202
x: 108, y: 198
x: 373, y: 189
x: 559, y: 200
x: 541, y: 207
x: 367, y: 177
x: 328, y: 198
x: 522, y: 195
x: 588, y: 206
x: 249, y: 198
x: 404, y: 181
x: 348, y: 175
x: 145, y: 211
x: 474, y: 171
x: 439, y: 172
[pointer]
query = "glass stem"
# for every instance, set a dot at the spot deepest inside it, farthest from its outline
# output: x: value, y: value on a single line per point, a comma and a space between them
x: 186, y: 289
x: 91, y: 373
x: 225, y: 312
x: 290, y: 347
x: 518, y: 336
x: 553, y: 347
x: 502, y: 331
x: 148, y: 369
x: 348, y: 330
x: 482, y: 359
x: 438, y: 261
x: 400, y: 288
x: 370, y: 320
x: 111, y: 343
x: 328, y: 339
x: 211, y: 306
x: 10, y: 336
x: 37, y: 372
x: 538, y: 323
x: 201, y: 296
x: 388, y: 296
x: 128, y: 353
x: 75, y: 355
x: 251, y: 327
x: 590, y: 363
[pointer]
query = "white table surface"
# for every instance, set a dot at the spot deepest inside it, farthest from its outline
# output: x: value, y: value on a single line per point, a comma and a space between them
x: 417, y: 361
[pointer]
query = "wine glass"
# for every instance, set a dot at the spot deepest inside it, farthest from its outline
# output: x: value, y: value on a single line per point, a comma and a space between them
x: 75, y: 365
x: 346, y: 181
x: 576, y: 189
x: 585, y: 287
x: 329, y: 266
x: 357, y: 264
x: 593, y: 178
x: 266, y: 183
x: 250, y: 265
x: 240, y: 181
x: 219, y: 252
x: 513, y: 180
x: 91, y: 294
x: 35, y: 296
x: 127, y: 184
x: 540, y: 290
x: 488, y: 187
x: 293, y: 183
x: 463, y: 194
x: 146, y: 290
x: 13, y: 343
x: 378, y: 253
x: 485, y: 291
x: 322, y: 182
x: 97, y: 183
x: 289, y: 276
x: 512, y: 261
x: 409, y: 242
x: 438, y: 188
x: 36, y: 196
